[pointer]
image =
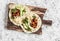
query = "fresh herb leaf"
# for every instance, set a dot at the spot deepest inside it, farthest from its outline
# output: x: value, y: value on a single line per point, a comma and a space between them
x: 34, y: 16
x: 28, y: 28
x: 13, y: 10
x: 25, y: 20
x: 23, y: 10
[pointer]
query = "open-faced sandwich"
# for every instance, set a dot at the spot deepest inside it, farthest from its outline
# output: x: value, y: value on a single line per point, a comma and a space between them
x: 16, y: 12
x: 31, y: 22
x: 21, y: 16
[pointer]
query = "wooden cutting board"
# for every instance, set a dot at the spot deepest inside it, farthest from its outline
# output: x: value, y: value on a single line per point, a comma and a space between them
x: 37, y: 10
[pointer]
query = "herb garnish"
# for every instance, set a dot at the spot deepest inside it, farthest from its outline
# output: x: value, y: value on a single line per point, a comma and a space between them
x: 23, y: 11
x: 25, y: 21
x: 13, y: 10
x: 34, y: 17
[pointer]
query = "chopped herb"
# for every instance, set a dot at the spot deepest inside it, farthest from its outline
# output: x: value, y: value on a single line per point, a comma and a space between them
x: 23, y: 11
x: 25, y: 21
x: 13, y: 10
x: 34, y: 16
x: 28, y: 28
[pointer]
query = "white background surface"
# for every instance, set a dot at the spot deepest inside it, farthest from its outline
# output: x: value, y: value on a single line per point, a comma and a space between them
x: 49, y: 33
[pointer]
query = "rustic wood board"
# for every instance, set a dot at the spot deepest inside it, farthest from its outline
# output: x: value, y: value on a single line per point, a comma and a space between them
x: 37, y: 10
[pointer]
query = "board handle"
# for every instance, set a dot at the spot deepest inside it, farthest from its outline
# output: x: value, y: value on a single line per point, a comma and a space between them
x: 47, y: 22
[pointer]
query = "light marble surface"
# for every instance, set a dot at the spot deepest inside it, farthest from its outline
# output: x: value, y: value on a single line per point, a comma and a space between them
x: 50, y: 33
